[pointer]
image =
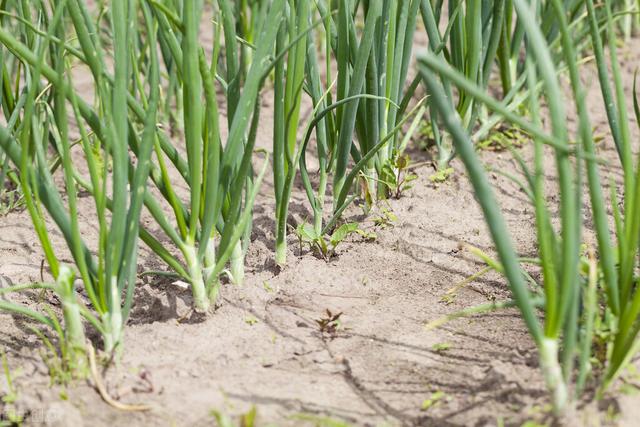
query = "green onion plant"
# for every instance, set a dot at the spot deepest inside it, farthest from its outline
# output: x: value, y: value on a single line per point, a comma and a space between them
x: 357, y: 114
x: 108, y: 275
x: 618, y: 262
x: 372, y: 66
x: 288, y: 91
x: 213, y: 228
x: 485, y: 41
x: 570, y: 307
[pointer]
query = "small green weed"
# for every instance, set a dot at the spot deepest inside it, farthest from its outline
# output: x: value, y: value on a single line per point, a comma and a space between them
x: 326, y: 247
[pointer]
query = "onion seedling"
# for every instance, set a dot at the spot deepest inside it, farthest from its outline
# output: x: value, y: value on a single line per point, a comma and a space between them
x: 366, y: 100
x: 569, y: 290
x: 338, y: 117
x: 557, y: 338
x: 479, y: 35
x: 288, y: 89
x: 386, y: 73
x: 618, y: 262
x: 375, y: 68
x: 108, y: 277
x: 214, y: 228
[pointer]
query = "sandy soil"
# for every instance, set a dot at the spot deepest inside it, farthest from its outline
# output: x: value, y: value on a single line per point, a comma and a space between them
x: 264, y: 347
